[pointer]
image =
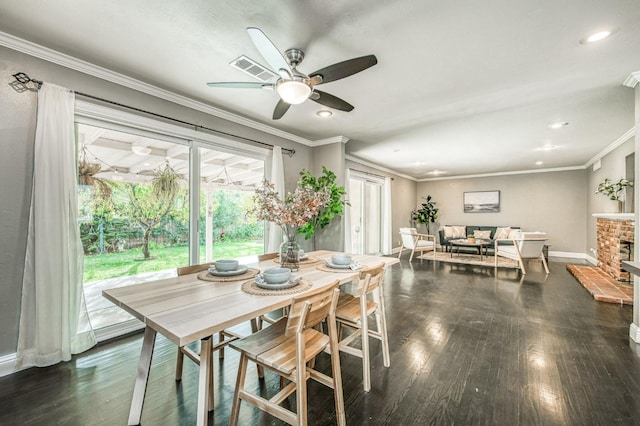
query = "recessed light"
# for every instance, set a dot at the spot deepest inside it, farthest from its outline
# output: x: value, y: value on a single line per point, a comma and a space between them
x: 436, y: 172
x: 539, y: 163
x: 549, y: 148
x: 558, y: 125
x: 396, y: 150
x: 117, y: 177
x: 147, y: 164
x: 597, y: 36
x: 324, y: 113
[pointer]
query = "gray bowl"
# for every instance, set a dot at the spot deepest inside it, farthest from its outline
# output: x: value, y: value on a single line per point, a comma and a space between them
x: 276, y: 275
x: 225, y: 265
x: 341, y: 259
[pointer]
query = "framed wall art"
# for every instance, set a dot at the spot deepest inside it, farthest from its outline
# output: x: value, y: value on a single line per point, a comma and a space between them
x: 482, y: 202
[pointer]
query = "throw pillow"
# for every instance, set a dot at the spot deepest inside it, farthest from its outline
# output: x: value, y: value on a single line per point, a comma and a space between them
x: 459, y: 231
x: 502, y: 232
x: 448, y: 232
x: 484, y: 235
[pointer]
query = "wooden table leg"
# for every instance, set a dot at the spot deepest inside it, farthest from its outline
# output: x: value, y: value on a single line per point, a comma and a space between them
x: 142, y: 376
x: 205, y: 385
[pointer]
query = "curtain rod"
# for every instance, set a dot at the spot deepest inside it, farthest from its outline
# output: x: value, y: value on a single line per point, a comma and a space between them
x: 371, y: 174
x: 22, y: 84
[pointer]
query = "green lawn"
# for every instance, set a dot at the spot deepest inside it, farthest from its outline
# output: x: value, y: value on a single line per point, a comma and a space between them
x: 113, y: 265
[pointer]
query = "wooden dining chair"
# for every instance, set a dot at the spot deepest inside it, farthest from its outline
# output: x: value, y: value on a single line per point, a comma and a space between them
x: 288, y: 348
x: 353, y: 312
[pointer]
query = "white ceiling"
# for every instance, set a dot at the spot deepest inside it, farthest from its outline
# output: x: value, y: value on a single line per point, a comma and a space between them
x: 463, y: 87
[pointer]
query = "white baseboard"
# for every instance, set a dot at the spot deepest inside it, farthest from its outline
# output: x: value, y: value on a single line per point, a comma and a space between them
x: 7, y: 364
x: 634, y: 333
x: 573, y: 255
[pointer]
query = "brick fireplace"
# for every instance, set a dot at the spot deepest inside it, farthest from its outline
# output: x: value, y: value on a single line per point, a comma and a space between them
x: 615, y: 243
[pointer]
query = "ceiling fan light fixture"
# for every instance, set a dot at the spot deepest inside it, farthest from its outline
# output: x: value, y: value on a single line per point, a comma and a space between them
x: 293, y: 92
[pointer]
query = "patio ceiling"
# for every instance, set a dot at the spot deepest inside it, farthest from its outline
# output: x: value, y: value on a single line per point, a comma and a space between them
x: 133, y: 158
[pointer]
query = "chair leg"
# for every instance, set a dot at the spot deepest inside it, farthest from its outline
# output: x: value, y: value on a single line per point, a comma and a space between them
x: 412, y: 251
x: 301, y: 382
x: 401, y: 248
x: 524, y: 271
x: 179, y: 363
x: 336, y: 371
x: 381, y: 322
x: 544, y: 263
x: 242, y: 373
x: 364, y: 336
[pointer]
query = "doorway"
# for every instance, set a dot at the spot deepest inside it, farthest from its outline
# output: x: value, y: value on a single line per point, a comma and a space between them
x: 366, y: 213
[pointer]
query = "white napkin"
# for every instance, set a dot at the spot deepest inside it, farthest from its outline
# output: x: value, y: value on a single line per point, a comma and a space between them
x: 355, y: 266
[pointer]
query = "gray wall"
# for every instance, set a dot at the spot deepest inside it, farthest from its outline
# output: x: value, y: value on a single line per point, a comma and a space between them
x: 16, y: 156
x: 553, y: 202
x: 612, y: 167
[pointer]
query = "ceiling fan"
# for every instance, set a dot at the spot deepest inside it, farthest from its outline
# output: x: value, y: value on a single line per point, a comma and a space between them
x: 293, y: 86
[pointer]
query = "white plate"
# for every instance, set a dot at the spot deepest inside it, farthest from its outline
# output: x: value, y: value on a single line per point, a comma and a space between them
x: 330, y: 264
x: 241, y: 270
x: 286, y: 284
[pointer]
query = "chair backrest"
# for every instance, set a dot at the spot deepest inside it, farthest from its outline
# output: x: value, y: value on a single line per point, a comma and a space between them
x: 192, y: 269
x: 310, y: 309
x: 370, y: 279
x: 408, y: 239
x: 531, y: 244
x: 267, y: 256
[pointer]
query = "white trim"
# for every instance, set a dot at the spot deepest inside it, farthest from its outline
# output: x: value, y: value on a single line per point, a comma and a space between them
x: 634, y: 333
x: 568, y: 255
x: 592, y: 260
x: 328, y: 141
x: 377, y: 167
x: 615, y: 144
x: 118, y: 330
x: 50, y: 55
x: 515, y: 172
x: 632, y: 80
x: 7, y: 364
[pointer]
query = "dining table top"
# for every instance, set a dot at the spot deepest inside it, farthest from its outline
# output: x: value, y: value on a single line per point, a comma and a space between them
x: 185, y: 308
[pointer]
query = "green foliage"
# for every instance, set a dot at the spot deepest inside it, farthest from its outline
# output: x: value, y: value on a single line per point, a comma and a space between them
x: 611, y: 190
x: 333, y: 208
x: 427, y: 213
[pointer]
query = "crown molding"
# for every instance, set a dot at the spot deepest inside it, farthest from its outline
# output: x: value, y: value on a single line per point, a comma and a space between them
x: 615, y: 144
x: 328, y: 141
x: 377, y: 167
x: 515, y: 172
x: 632, y: 80
x: 67, y: 61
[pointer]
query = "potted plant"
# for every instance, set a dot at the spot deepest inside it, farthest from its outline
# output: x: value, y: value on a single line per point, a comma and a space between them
x: 614, y: 190
x: 427, y: 213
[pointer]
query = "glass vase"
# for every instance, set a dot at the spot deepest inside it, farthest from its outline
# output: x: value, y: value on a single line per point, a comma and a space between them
x: 289, y: 249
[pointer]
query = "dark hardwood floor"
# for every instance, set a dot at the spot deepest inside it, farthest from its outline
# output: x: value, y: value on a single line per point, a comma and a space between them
x: 467, y: 347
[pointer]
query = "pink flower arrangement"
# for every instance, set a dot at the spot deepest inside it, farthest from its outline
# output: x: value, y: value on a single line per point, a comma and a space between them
x: 295, y: 210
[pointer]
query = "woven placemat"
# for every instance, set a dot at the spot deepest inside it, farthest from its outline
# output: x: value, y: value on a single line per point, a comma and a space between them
x: 251, y: 287
x: 327, y: 268
x: 206, y: 276
x: 308, y: 261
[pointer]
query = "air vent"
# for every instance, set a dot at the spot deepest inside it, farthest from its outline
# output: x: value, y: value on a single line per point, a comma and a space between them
x: 254, y: 69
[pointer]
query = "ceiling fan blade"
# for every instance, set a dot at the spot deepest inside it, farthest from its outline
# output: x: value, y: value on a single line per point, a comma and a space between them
x: 332, y: 101
x: 242, y: 85
x: 268, y: 50
x: 281, y: 108
x: 345, y: 68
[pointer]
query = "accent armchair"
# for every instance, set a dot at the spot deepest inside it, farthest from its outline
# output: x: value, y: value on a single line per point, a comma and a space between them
x: 414, y: 241
x: 526, y: 245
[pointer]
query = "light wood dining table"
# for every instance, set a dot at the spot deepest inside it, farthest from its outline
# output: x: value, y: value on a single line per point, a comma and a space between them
x: 185, y: 309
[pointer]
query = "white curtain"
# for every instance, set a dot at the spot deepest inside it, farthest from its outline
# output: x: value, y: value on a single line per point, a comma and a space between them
x: 54, y: 323
x: 348, y: 247
x: 386, y: 217
x: 274, y: 232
